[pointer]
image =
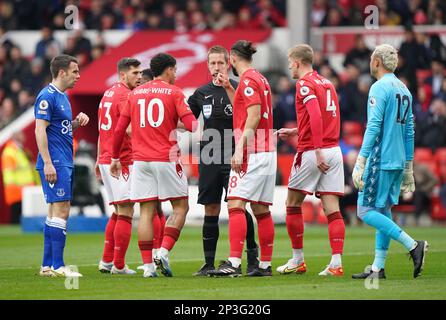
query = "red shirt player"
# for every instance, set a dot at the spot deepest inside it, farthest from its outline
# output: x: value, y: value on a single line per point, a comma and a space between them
x: 118, y: 229
x: 154, y: 110
x: 254, y: 163
x: 318, y: 166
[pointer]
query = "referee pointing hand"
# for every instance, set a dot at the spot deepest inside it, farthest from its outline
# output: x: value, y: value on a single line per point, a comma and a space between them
x: 216, y: 149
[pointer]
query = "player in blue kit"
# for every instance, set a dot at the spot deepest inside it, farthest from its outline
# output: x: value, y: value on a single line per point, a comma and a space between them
x: 54, y: 137
x: 385, y: 162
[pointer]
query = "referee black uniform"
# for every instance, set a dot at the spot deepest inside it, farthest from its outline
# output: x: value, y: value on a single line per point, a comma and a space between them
x: 213, y: 103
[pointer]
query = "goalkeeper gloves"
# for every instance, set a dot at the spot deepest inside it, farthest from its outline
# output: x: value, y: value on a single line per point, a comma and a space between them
x: 358, y: 171
x: 408, y: 184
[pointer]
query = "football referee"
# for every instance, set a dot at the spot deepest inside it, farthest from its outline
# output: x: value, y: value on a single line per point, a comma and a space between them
x: 216, y: 149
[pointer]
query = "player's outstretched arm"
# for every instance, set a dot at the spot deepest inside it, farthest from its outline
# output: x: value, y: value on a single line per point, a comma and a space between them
x: 81, y: 121
x: 285, y: 133
x: 189, y: 123
x: 42, y: 145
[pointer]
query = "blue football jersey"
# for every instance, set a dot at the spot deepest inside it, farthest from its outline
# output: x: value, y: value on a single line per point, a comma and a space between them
x: 389, y: 137
x: 53, y: 106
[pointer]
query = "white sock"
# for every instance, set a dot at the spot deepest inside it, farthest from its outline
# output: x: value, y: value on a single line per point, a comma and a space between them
x: 163, y: 252
x: 336, y: 260
x: 236, y: 262
x: 155, y: 252
x: 298, y: 256
x: 264, y: 264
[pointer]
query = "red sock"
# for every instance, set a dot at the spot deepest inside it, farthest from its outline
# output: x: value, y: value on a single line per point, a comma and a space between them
x: 109, y: 243
x: 336, y: 232
x: 156, y: 232
x: 123, y: 233
x: 171, y: 236
x: 295, y: 226
x: 265, y: 225
x: 237, y: 232
x: 146, y: 251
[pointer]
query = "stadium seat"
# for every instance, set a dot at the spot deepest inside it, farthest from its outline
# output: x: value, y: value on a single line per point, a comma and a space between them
x: 422, y: 75
x: 438, y: 212
x: 351, y: 128
x: 308, y: 211
x: 440, y: 154
x: 321, y: 218
x: 440, y: 157
x: 404, y: 208
x: 354, y: 140
x: 423, y: 155
x: 284, y: 163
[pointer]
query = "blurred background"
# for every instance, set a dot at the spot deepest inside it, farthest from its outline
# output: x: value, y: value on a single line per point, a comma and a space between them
x: 100, y: 32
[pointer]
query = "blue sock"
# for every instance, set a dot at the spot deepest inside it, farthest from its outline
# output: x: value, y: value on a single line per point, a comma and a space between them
x: 385, y: 225
x: 382, y: 242
x: 380, y: 260
x: 58, y: 237
x: 407, y: 241
x: 47, y: 254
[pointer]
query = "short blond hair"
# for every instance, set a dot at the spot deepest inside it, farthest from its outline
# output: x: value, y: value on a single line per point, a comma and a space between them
x: 302, y: 52
x: 388, y: 55
x: 219, y: 49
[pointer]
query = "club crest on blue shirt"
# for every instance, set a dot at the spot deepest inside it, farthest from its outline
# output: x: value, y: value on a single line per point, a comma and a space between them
x: 372, y: 101
x: 60, y: 192
x: 207, y: 110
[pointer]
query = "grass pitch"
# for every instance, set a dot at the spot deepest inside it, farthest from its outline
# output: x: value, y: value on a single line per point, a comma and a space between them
x: 21, y: 256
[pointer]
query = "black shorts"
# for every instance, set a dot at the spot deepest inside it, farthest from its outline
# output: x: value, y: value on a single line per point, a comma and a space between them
x: 213, y: 178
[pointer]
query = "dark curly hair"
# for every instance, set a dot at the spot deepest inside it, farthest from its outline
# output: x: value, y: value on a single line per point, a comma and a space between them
x: 161, y: 62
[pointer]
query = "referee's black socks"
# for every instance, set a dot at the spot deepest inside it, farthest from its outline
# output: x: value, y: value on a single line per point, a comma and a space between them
x: 250, y: 234
x: 210, y: 238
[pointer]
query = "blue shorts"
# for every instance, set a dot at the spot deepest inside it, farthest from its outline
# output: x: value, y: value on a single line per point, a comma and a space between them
x: 62, y: 189
x: 381, y: 188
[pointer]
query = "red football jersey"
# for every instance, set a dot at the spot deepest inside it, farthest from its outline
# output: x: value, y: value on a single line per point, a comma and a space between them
x: 110, y: 108
x: 314, y: 86
x: 254, y: 89
x: 155, y: 108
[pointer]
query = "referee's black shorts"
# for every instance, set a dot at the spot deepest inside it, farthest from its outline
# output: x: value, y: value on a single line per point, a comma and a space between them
x: 213, y: 178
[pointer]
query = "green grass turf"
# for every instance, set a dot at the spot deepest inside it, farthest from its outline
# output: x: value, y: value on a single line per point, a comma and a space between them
x: 20, y: 257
